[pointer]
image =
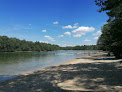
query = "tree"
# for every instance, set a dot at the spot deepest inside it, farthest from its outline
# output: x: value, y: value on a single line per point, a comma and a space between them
x: 13, y: 44
x: 113, y: 8
x: 111, y: 38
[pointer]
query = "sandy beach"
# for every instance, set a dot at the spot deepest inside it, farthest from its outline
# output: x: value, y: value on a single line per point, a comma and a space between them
x: 90, y: 73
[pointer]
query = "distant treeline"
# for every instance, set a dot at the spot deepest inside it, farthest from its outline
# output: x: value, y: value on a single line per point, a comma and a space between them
x: 14, y: 44
x: 84, y: 47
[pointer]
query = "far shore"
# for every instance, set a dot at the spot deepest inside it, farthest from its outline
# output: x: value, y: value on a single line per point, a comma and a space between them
x: 50, y: 51
x: 98, y: 72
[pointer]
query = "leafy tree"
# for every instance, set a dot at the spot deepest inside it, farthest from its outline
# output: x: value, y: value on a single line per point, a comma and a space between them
x: 111, y: 38
x: 13, y: 44
x: 84, y: 47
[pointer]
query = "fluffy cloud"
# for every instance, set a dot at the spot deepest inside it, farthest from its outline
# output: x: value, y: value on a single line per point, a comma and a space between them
x: 74, y: 27
x: 69, y: 27
x: 86, y: 40
x: 78, y: 35
x: 49, y: 38
x: 97, y: 33
x: 43, y: 30
x: 55, y: 22
x: 95, y: 38
x: 83, y: 29
x: 61, y: 36
x: 67, y: 33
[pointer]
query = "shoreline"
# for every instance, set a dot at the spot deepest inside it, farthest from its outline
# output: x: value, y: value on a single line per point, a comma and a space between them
x: 9, y: 77
x: 68, y: 62
x: 83, y: 53
x: 67, y: 83
x: 49, y: 51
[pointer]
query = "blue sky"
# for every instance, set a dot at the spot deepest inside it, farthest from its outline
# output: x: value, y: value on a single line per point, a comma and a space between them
x: 62, y: 22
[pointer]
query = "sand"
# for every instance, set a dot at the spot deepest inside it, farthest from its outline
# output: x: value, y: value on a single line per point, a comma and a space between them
x: 91, y: 73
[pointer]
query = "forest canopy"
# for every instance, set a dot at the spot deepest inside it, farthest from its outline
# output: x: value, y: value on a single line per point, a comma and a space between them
x: 111, y: 38
x: 13, y: 44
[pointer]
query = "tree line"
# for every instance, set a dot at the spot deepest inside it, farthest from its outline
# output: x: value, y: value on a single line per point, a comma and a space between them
x: 84, y: 47
x: 13, y: 44
x: 111, y: 38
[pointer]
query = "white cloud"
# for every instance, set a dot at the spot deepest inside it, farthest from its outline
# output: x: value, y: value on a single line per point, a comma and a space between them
x: 61, y: 36
x: 74, y: 27
x: 83, y: 29
x: 86, y: 40
x: 95, y: 38
x: 69, y: 27
x: 67, y: 33
x: 49, y: 38
x: 79, y: 35
x: 43, y: 30
x: 29, y: 24
x: 97, y: 33
x: 55, y: 22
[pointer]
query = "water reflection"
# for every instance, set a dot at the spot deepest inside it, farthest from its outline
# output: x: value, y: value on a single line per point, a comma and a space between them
x: 22, y: 62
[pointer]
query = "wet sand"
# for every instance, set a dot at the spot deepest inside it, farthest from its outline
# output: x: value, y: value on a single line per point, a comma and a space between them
x: 91, y: 73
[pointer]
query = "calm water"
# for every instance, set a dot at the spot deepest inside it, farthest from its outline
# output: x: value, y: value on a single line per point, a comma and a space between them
x: 24, y: 62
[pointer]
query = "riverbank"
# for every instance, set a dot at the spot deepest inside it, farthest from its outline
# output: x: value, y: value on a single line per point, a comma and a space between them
x: 91, y: 73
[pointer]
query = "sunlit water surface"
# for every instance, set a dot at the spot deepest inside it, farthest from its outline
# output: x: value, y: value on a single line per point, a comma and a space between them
x: 12, y: 64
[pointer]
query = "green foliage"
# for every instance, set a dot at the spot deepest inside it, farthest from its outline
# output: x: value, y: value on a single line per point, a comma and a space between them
x: 13, y: 44
x: 111, y: 38
x: 113, y: 8
x: 84, y: 47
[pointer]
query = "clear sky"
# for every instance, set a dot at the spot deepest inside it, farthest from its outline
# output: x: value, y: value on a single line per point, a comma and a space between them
x: 62, y: 22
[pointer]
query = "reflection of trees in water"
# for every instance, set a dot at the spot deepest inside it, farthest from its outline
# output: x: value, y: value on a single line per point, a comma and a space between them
x: 19, y: 57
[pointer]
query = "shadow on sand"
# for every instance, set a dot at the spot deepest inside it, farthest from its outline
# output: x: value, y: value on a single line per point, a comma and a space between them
x: 70, y: 78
